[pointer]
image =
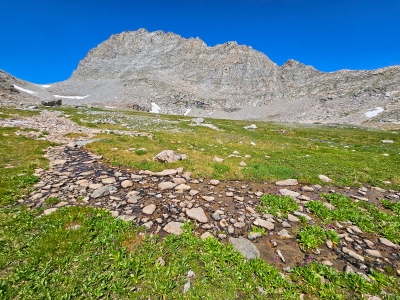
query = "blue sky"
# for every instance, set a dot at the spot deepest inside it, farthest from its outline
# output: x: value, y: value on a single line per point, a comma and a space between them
x: 43, y: 41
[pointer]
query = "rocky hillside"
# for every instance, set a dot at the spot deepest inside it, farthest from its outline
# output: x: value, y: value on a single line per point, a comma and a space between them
x: 166, y: 73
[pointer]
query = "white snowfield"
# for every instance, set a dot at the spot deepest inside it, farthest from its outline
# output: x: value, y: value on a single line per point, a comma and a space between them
x: 374, y: 113
x: 71, y: 97
x: 46, y: 86
x: 24, y: 90
x: 187, y: 112
x: 155, y: 108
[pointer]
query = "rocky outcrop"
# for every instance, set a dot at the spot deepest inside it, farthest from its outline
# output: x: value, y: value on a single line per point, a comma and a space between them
x: 166, y: 73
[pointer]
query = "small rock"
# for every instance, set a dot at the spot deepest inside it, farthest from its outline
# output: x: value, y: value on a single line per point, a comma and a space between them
x: 148, y: 225
x: 166, y: 185
x: 108, y: 180
x: 292, y: 218
x: 280, y: 255
x: 253, y: 235
x: 182, y: 187
x: 374, y: 253
x: 324, y: 178
x: 206, y: 235
x: 352, y: 254
x: 265, y: 224
x: 49, y: 210
x: 197, y: 214
x: 327, y: 263
x: 174, y: 227
x: 284, y: 233
x: 208, y: 198
x: 218, y: 159
x: 388, y: 243
x: 169, y: 156
x: 307, y: 189
x: 126, y: 183
x: 239, y: 224
x: 287, y: 182
x: 100, y: 192
x: 286, y: 192
x: 244, y: 246
x: 214, y: 182
x: 168, y: 172
x: 149, y: 209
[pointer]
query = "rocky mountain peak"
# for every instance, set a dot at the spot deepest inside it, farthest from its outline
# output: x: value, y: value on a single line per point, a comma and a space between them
x: 142, y: 70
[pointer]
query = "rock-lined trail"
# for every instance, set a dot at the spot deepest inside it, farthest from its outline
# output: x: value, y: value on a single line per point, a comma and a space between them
x: 163, y: 201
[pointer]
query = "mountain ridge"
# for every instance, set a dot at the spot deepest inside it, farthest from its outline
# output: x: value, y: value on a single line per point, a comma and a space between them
x: 134, y: 69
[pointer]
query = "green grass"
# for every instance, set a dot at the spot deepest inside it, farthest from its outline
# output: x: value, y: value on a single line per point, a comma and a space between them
x: 107, y: 258
x: 365, y: 215
x: 311, y: 236
x: 14, y: 113
x: 277, y: 204
x: 50, y: 257
x: 24, y: 155
x: 351, y: 156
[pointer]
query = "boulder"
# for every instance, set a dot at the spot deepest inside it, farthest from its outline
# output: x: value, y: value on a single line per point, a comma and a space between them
x: 244, y: 246
x: 169, y: 156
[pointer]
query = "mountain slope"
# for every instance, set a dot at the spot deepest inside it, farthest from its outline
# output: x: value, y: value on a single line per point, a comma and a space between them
x: 185, y: 76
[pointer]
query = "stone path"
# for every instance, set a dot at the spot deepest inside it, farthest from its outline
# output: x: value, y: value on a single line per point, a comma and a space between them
x: 163, y: 201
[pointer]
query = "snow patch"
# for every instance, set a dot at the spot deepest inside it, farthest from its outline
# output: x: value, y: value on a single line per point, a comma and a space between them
x: 187, y: 112
x: 24, y: 90
x: 71, y: 97
x: 46, y: 86
x: 109, y: 106
x: 374, y: 113
x: 155, y: 108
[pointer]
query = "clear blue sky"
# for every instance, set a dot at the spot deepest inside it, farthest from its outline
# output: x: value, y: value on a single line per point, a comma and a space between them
x: 43, y: 40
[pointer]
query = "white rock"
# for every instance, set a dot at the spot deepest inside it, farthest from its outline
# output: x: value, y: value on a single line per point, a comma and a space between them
x: 166, y: 185
x: 324, y: 178
x: 149, y: 209
x: 197, y: 214
x: 126, y: 183
x: 265, y: 224
x: 290, y: 182
x: 174, y: 227
x: 352, y: 254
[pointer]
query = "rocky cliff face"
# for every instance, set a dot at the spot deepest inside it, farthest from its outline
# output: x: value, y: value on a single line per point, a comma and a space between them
x: 178, y: 75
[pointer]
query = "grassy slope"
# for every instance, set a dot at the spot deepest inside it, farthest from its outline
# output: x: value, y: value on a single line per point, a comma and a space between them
x: 43, y: 258
x: 349, y: 155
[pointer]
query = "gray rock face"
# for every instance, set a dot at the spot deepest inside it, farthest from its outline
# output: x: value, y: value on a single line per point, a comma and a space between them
x: 244, y: 246
x: 230, y: 80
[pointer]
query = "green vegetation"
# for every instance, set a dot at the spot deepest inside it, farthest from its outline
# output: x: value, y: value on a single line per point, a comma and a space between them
x: 257, y: 229
x: 333, y: 236
x: 311, y: 237
x: 14, y: 112
x: 19, y: 156
x: 363, y: 214
x: 349, y: 155
x: 395, y: 207
x: 76, y: 135
x: 85, y: 253
x: 141, y: 151
x: 274, y: 204
x: 51, y: 201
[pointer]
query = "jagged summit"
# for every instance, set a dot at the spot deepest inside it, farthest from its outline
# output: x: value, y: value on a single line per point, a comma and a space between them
x: 140, y: 69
